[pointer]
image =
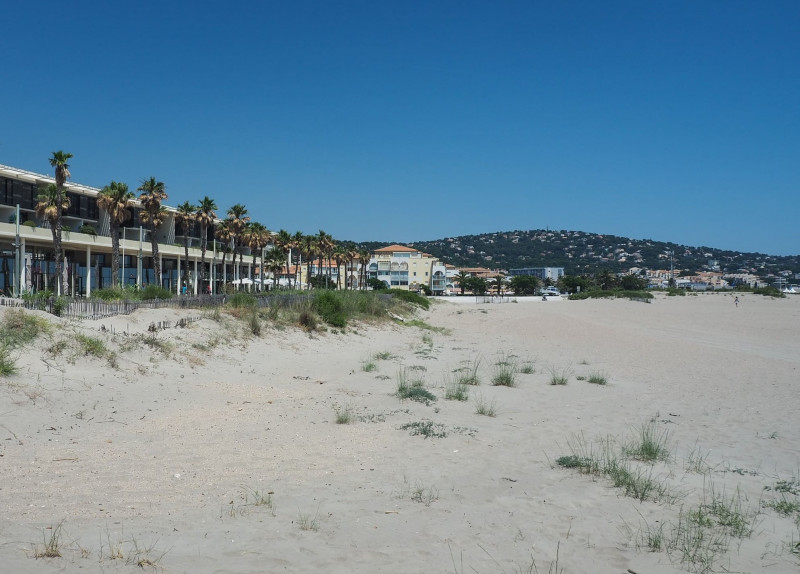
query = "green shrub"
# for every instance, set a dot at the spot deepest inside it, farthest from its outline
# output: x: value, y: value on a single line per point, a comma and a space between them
x: 19, y: 328
x: 155, y: 292
x: 307, y: 320
x: 88, y: 229
x: 409, y: 297
x: 242, y: 300
x: 330, y: 308
x: 7, y: 364
x: 59, y: 304
x: 768, y: 292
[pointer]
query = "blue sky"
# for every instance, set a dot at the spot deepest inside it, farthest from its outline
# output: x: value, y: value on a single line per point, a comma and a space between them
x: 403, y: 121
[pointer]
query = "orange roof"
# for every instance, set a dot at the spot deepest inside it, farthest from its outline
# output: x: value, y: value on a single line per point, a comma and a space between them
x: 392, y: 248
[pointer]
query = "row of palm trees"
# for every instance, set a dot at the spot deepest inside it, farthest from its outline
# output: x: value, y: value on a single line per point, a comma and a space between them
x: 235, y: 232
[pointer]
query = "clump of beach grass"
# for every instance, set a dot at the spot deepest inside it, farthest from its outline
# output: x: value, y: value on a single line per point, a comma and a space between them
x: 559, y: 376
x: 455, y: 390
x: 485, y: 407
x: 413, y: 388
x: 651, y: 443
x: 598, y: 378
x: 307, y: 522
x: 505, y: 371
x: 467, y: 374
x: 19, y: 328
x: 425, y: 428
x: 344, y: 414
x: 51, y: 542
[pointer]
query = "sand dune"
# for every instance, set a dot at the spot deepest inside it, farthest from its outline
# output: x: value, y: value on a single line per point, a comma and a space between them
x: 202, y: 449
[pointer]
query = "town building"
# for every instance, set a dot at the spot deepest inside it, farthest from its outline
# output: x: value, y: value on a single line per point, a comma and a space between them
x: 401, y: 267
x: 27, y: 263
x: 543, y: 273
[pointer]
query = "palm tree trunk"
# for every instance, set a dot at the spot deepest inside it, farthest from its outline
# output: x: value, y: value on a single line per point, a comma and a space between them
x: 114, y: 255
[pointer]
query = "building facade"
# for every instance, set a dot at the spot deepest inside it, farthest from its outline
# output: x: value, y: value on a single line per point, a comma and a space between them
x: 401, y: 267
x: 552, y: 273
x: 26, y: 264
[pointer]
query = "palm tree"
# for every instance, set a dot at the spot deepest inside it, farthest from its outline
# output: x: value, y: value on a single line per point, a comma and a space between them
x: 116, y: 200
x: 461, y: 278
x: 205, y: 217
x: 257, y: 237
x: 46, y: 209
x: 60, y: 161
x: 274, y: 262
x: 308, y: 249
x: 238, y: 220
x: 296, y: 245
x: 153, y: 214
x: 341, y: 255
x: 186, y: 216
x: 364, y: 255
x: 282, y: 243
x: 224, y: 234
x: 325, y: 247
x: 498, y: 284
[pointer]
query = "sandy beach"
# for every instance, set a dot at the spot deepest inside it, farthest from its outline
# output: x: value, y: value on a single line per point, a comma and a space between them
x: 202, y: 448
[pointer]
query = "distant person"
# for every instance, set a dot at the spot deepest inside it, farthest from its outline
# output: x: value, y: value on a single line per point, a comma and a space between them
x: 183, y: 290
x: 736, y: 301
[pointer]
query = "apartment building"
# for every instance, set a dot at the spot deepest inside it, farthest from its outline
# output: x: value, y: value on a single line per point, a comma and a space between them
x: 401, y: 267
x: 26, y: 264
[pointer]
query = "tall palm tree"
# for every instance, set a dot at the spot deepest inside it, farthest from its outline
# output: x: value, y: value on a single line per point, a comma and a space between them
x: 257, y: 236
x: 340, y: 255
x: 153, y: 214
x: 282, y: 243
x: 308, y: 249
x: 224, y: 234
x: 297, y: 247
x: 498, y: 284
x: 116, y: 200
x: 186, y: 216
x: 364, y: 255
x: 238, y: 220
x: 60, y: 161
x: 46, y: 209
x: 274, y: 263
x: 205, y: 216
x: 325, y: 246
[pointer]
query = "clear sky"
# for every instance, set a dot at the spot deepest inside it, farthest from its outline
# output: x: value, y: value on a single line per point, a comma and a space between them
x: 417, y: 120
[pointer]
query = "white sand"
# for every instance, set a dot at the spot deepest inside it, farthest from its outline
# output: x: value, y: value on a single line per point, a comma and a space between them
x: 165, y: 452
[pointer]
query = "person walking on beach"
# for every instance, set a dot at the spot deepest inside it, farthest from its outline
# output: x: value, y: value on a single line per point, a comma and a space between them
x: 736, y: 301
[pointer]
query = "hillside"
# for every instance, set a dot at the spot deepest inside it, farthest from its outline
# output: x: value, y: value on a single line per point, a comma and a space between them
x: 581, y: 252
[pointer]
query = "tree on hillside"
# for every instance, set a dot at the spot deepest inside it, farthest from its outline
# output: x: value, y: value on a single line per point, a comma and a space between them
x: 153, y: 215
x: 116, y: 200
x: 59, y: 161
